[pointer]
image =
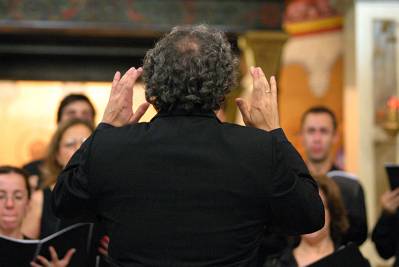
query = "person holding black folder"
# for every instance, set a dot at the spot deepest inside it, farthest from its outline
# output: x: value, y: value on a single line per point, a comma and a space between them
x: 14, y: 203
x: 40, y: 220
x: 186, y: 189
x: 323, y: 247
x: 386, y: 232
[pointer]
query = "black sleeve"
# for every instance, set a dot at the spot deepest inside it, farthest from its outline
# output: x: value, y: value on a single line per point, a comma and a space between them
x: 385, y: 235
x: 71, y: 197
x: 357, y: 216
x: 295, y: 202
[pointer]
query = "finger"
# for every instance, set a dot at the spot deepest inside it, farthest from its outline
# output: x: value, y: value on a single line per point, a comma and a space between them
x: 125, y: 86
x: 132, y: 80
x: 244, y: 109
x: 53, y: 254
x: 43, y: 260
x: 131, y: 76
x: 137, y: 74
x: 260, y: 85
x: 125, y: 79
x: 129, y: 81
x: 396, y: 191
x: 68, y: 256
x: 139, y: 112
x: 104, y: 243
x: 116, y: 80
x: 127, y: 74
x: 262, y: 80
x: 103, y: 251
x: 273, y: 85
x: 251, y: 70
x: 257, y: 91
x: 390, y: 195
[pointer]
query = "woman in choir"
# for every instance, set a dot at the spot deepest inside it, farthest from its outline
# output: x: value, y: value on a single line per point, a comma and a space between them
x: 14, y: 200
x: 14, y: 204
x: 315, y: 246
x: 40, y: 220
x: 322, y: 243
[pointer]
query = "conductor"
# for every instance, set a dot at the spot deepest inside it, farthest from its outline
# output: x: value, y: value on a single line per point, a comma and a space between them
x: 186, y: 189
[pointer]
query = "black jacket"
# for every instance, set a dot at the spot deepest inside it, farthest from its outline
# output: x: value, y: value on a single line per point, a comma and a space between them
x: 386, y: 236
x: 188, y: 190
x: 353, y: 197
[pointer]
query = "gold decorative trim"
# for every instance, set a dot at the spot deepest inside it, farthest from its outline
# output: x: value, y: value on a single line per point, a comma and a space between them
x: 314, y: 25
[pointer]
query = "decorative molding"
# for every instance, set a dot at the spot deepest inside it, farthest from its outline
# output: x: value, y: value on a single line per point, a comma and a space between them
x: 317, y: 54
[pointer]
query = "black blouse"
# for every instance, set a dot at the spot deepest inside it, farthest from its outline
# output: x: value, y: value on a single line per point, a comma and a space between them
x: 49, y: 223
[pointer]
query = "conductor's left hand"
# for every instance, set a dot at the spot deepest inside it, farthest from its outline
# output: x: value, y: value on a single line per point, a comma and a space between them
x: 119, y: 110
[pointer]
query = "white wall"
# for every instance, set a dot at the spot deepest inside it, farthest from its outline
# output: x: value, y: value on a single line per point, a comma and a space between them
x: 360, y: 131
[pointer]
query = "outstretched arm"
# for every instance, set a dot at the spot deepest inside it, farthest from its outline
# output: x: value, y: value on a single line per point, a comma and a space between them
x: 295, y: 202
x: 71, y: 194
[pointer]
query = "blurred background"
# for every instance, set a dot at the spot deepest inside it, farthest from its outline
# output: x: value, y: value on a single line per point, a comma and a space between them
x: 339, y: 53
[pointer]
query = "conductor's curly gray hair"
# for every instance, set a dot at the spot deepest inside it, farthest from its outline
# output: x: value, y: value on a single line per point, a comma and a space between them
x: 192, y: 67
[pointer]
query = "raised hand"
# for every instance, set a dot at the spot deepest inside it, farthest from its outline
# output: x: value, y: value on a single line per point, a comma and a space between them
x: 119, y: 110
x: 262, y: 110
x: 55, y: 262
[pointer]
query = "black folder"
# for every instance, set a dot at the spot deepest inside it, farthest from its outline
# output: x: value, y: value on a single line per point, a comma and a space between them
x: 15, y: 252
x: 393, y: 174
x: 347, y: 256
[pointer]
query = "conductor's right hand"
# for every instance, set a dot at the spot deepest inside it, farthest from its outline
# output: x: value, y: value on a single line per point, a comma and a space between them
x: 119, y: 110
x: 262, y: 109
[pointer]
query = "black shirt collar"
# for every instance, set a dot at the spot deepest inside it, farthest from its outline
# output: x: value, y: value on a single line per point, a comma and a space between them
x: 196, y: 112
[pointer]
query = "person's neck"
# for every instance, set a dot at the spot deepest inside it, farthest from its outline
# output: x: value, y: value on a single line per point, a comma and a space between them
x: 309, y: 252
x: 319, y: 168
x: 15, y: 233
x: 323, y: 247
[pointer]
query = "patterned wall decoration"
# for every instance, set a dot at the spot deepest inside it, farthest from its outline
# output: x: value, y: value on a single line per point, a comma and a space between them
x: 310, y: 16
x: 154, y: 14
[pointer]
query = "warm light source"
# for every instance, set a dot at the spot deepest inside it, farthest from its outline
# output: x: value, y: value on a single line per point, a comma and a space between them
x: 391, y: 122
x: 28, y: 114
